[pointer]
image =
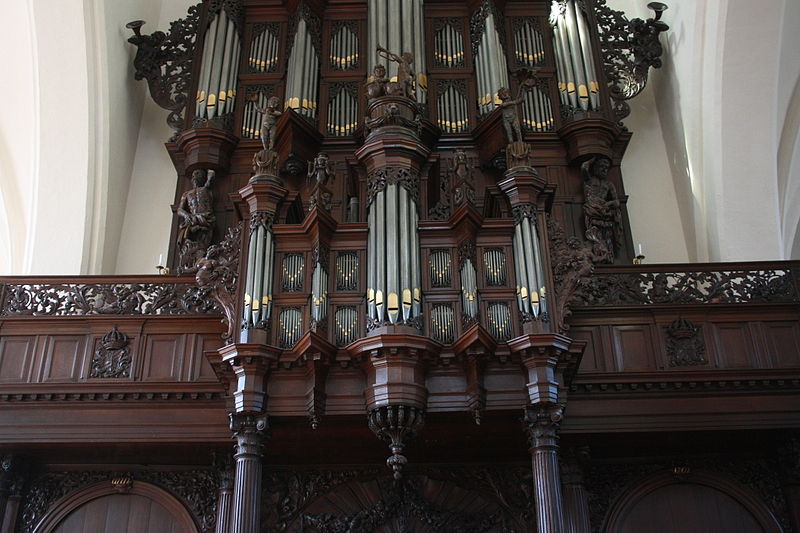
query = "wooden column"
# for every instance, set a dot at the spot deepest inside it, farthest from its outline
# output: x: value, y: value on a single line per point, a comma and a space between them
x: 224, y: 496
x: 576, y: 499
x: 250, y: 431
x: 543, y: 422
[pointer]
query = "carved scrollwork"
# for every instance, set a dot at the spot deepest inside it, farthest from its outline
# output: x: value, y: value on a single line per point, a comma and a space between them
x: 320, y: 254
x: 629, y: 48
x: 768, y: 285
x: 80, y: 299
x: 542, y: 424
x: 477, y: 24
x: 572, y: 267
x: 313, y: 26
x: 405, y: 177
x: 164, y: 60
x: 521, y: 211
x: 262, y: 218
x: 218, y: 271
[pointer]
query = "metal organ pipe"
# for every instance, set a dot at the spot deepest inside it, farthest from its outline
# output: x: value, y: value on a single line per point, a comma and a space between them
x: 574, y: 57
x: 216, y: 89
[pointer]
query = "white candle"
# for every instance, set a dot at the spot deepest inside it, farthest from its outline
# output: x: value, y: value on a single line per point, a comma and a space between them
x: 640, y: 249
x: 161, y: 258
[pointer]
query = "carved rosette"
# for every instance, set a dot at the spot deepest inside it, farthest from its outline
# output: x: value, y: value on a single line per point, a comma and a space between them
x: 395, y: 424
x: 112, y: 358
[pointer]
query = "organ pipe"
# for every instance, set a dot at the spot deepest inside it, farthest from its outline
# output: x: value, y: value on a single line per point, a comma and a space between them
x: 263, y: 55
x: 451, y: 107
x: 448, y: 46
x: 398, y: 25
x: 577, y: 79
x: 393, y: 292
x: 530, y: 288
x: 302, y: 78
x: 347, y: 271
x: 343, y: 110
x: 344, y: 48
x: 216, y: 90
x: 443, y: 323
x: 469, y: 289
x: 319, y: 293
x: 290, y: 326
x: 260, y: 266
x: 490, y: 62
x: 346, y: 320
x: 499, y: 320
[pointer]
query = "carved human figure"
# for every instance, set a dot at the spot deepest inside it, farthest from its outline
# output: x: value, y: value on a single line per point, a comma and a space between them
x: 376, y: 85
x: 601, y: 210
x: 320, y: 170
x: 463, y: 183
x: 269, y: 123
x: 405, y: 74
x: 510, y: 113
x: 196, y: 213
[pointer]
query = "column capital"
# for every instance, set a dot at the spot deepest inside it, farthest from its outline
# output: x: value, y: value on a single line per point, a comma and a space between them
x: 542, y: 424
x: 251, y: 431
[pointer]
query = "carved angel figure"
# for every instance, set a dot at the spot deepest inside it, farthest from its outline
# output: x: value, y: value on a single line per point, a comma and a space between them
x: 269, y: 123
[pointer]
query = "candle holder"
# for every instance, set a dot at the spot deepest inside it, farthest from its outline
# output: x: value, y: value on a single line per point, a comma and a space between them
x: 163, y: 270
x: 638, y: 260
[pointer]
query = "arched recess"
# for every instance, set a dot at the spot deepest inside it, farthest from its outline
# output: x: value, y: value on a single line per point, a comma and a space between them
x: 165, y: 503
x: 689, y: 503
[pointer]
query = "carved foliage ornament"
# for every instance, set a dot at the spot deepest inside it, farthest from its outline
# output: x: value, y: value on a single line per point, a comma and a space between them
x: 629, y: 48
x: 477, y: 24
x: 112, y: 359
x: 233, y: 8
x: 219, y: 271
x: 685, y: 345
x: 405, y: 177
x: 572, y: 268
x: 165, y: 62
x: 196, y: 488
x: 79, y: 299
x: 521, y: 211
x: 313, y: 27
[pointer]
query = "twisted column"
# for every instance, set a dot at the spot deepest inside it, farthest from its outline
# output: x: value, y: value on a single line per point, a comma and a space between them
x: 543, y: 422
x: 250, y: 431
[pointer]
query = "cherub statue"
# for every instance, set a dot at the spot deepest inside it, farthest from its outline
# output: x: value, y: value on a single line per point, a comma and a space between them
x: 320, y: 170
x: 405, y: 74
x: 510, y: 111
x: 270, y: 121
x: 376, y: 86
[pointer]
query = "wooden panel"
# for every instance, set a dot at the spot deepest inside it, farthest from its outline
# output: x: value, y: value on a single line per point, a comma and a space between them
x: 200, y: 368
x: 120, y: 513
x: 163, y: 358
x: 633, y: 347
x: 688, y: 508
x: 734, y: 345
x: 783, y: 343
x: 63, y: 358
x: 16, y: 355
x: 594, y: 356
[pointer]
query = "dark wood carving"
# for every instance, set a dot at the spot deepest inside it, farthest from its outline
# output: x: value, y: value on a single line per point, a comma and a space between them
x: 712, y: 284
x: 82, y: 297
x: 112, y: 359
x: 164, y: 60
x: 572, y: 266
x: 197, y: 489
x: 219, y: 271
x: 684, y: 344
x: 601, y: 210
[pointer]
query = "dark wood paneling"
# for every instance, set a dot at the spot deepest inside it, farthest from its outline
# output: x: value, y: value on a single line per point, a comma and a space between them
x: 63, y: 358
x: 734, y: 345
x: 163, y: 357
x: 16, y: 356
x: 593, y: 357
x: 633, y: 347
x: 783, y: 343
x: 121, y: 514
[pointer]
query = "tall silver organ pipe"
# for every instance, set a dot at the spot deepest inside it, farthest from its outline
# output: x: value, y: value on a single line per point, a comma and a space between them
x: 393, y: 275
x: 219, y: 71
x: 530, y: 288
x: 577, y: 80
x: 490, y: 58
x: 344, y: 46
x: 469, y: 289
x: 260, y: 270
x: 302, y: 77
x: 398, y: 26
x: 319, y: 292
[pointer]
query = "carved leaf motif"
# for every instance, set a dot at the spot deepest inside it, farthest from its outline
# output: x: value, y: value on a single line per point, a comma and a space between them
x: 218, y: 272
x: 572, y: 267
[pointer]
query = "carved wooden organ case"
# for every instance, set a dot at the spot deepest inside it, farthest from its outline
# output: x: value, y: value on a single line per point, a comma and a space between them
x: 397, y: 225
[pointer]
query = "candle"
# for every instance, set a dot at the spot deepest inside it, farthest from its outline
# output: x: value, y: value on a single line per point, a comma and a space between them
x: 161, y: 258
x: 641, y: 252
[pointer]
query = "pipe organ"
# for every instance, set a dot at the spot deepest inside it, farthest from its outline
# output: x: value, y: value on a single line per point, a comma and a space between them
x: 302, y: 77
x: 219, y: 68
x: 491, y: 67
x: 392, y: 237
x: 398, y: 25
x: 577, y: 80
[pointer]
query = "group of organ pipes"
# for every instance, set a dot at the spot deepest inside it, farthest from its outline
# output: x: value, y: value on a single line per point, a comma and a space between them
x: 353, y: 264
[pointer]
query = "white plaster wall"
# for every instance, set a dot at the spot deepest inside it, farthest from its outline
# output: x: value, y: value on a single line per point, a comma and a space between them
x: 18, y: 126
x: 145, y: 231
